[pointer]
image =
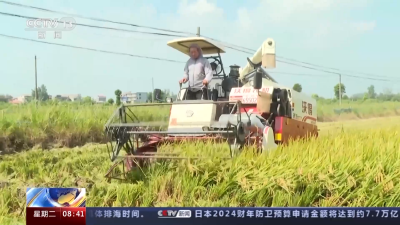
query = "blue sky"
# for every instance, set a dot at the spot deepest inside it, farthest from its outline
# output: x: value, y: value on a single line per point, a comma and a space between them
x: 356, y: 35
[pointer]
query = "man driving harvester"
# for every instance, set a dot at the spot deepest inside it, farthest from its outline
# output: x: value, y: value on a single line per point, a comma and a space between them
x: 198, y: 72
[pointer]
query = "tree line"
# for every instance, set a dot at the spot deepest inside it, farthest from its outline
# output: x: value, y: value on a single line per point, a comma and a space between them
x: 162, y: 95
x: 386, y: 95
x: 42, y: 96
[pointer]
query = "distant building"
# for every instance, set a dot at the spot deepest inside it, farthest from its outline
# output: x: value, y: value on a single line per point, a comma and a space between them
x: 61, y: 98
x: 137, y: 97
x: 74, y: 98
x: 100, y: 99
x: 24, y: 98
x: 15, y: 101
x: 21, y: 99
x: 69, y: 98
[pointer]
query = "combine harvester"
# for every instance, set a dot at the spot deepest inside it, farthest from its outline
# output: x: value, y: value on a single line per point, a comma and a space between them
x: 246, y: 107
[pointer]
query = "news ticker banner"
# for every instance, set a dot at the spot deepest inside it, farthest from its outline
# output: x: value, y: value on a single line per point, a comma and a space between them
x: 209, y: 216
x: 61, y: 206
x: 49, y: 206
x: 236, y: 216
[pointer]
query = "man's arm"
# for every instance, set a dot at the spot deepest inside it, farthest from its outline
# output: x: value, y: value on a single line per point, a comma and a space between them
x: 208, y: 70
x: 186, y: 72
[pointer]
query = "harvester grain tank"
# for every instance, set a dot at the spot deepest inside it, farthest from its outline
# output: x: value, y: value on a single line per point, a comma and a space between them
x: 245, y: 107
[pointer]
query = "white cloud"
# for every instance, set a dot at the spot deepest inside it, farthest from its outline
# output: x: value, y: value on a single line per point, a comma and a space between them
x: 284, y: 10
x: 289, y: 10
x: 312, y: 23
x: 244, y: 18
x: 201, y: 13
x: 199, y: 8
x: 299, y: 27
x: 364, y: 26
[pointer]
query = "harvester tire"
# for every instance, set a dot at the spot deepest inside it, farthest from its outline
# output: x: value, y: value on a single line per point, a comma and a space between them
x: 240, y: 134
x: 240, y: 138
x: 284, y: 103
x: 283, y: 95
x: 275, y: 94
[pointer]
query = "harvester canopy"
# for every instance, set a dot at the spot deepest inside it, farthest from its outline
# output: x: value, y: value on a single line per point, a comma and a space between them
x: 207, y: 46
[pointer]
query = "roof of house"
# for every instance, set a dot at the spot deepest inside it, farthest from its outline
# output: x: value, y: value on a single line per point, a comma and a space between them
x: 71, y: 96
x: 125, y: 93
x: 132, y: 93
x: 15, y: 101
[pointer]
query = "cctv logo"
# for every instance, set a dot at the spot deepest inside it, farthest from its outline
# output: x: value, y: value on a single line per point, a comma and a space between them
x: 167, y: 213
x: 174, y: 214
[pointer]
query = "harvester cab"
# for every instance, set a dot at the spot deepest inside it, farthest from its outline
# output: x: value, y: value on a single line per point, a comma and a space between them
x: 212, y: 52
x: 246, y: 107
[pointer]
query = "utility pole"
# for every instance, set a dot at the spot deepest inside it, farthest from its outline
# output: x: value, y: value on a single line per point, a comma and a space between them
x: 152, y: 90
x: 198, y: 32
x: 340, y: 89
x: 36, y: 91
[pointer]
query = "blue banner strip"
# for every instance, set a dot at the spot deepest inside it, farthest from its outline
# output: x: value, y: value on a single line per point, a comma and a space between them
x: 236, y: 216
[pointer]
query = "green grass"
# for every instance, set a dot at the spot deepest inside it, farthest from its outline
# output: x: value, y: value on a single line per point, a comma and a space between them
x: 73, y: 124
x: 360, y: 109
x: 350, y: 164
x: 63, y: 125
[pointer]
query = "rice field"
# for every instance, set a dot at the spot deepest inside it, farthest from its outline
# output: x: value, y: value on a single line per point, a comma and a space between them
x: 353, y: 163
x: 52, y: 125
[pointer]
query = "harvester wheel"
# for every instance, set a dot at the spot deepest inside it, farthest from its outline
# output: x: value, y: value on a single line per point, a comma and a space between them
x: 284, y: 102
x: 275, y: 94
x: 240, y: 134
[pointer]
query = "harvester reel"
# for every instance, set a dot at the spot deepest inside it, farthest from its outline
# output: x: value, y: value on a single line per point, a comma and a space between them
x: 121, y: 138
x: 115, y: 151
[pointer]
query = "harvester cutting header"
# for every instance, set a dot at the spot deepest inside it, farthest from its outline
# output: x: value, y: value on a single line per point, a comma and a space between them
x: 245, y: 107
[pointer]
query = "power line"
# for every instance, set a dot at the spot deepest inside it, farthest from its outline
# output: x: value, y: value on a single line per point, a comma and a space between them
x: 119, y: 53
x: 111, y: 21
x: 237, y: 48
x: 93, y: 18
x: 321, y: 70
x: 172, y: 31
x: 300, y: 74
x: 93, y: 26
x: 311, y: 64
x: 125, y: 54
x: 347, y: 75
x: 92, y: 49
x: 155, y: 58
x: 338, y: 73
x: 115, y: 22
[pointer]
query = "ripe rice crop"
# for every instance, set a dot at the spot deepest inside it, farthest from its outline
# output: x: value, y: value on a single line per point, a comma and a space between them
x: 350, y: 164
x: 51, y: 125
